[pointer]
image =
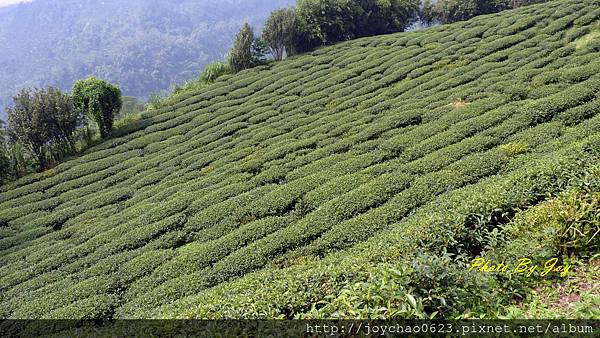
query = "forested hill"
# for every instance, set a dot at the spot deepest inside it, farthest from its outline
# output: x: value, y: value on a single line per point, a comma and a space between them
x: 357, y: 180
x: 142, y: 45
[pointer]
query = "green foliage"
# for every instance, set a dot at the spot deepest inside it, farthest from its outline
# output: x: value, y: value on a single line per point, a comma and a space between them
x: 208, y: 76
x: 4, y: 159
x: 385, y: 17
x: 448, y: 11
x: 213, y: 71
x: 329, y: 21
x: 514, y: 149
x: 241, y: 55
x: 579, y: 223
x: 566, y: 225
x: 20, y: 161
x: 576, y: 297
x: 383, y: 295
x: 281, y: 30
x: 99, y: 100
x: 355, y: 181
x: 41, y: 118
x: 409, y: 291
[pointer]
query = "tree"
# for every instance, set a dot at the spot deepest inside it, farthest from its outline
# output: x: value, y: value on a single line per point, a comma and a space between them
x: 99, y: 100
x: 43, y: 117
x: 444, y: 11
x: 385, y: 17
x: 240, y: 56
x: 259, y: 50
x: 448, y: 11
x: 3, y: 133
x: 329, y: 21
x: 519, y: 3
x: 155, y: 101
x: 280, y: 31
x: 4, y: 159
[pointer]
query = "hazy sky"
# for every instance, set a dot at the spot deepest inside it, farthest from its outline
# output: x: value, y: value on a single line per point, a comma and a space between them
x: 10, y: 2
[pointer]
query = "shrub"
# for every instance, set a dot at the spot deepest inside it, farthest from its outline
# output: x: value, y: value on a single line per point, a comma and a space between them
x: 578, y: 223
x: 41, y: 119
x: 213, y: 71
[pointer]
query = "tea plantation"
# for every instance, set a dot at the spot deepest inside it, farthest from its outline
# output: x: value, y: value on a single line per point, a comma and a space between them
x: 310, y: 187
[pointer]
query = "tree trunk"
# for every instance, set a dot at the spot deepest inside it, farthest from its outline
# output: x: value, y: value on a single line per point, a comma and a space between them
x: 41, y: 157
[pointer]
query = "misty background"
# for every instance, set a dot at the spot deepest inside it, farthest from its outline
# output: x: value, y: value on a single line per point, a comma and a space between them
x: 144, y: 46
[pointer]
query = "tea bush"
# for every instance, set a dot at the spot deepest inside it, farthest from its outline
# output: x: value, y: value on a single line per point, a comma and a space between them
x: 353, y: 181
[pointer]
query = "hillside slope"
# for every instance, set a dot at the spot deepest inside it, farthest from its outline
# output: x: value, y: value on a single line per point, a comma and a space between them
x: 281, y: 185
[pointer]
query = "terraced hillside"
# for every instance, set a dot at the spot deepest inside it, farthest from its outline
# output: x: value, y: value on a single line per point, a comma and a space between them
x: 280, y: 186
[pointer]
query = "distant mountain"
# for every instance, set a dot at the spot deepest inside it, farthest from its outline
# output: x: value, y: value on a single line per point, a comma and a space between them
x: 143, y: 45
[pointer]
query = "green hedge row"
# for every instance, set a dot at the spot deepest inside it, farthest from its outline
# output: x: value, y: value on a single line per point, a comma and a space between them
x: 297, y: 159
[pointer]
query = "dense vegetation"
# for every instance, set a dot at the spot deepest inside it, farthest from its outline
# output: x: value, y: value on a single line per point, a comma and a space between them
x: 314, y: 23
x: 448, y: 11
x: 329, y: 21
x: 45, y: 126
x: 144, y: 46
x: 354, y: 181
x: 99, y: 100
x: 41, y: 118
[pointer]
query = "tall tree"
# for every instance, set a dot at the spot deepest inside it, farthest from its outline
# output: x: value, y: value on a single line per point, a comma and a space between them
x: 328, y: 21
x: 240, y: 56
x: 3, y: 133
x: 280, y: 30
x: 384, y: 17
x: 41, y: 117
x: 4, y: 159
x: 99, y: 100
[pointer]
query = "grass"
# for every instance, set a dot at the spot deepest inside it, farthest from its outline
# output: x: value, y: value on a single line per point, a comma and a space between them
x: 576, y: 297
x: 358, y: 180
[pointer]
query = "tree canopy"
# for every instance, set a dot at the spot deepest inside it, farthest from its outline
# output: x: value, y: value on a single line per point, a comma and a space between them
x: 41, y: 117
x: 4, y: 160
x: 99, y: 100
x: 448, y: 11
x: 280, y: 30
x: 329, y: 21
